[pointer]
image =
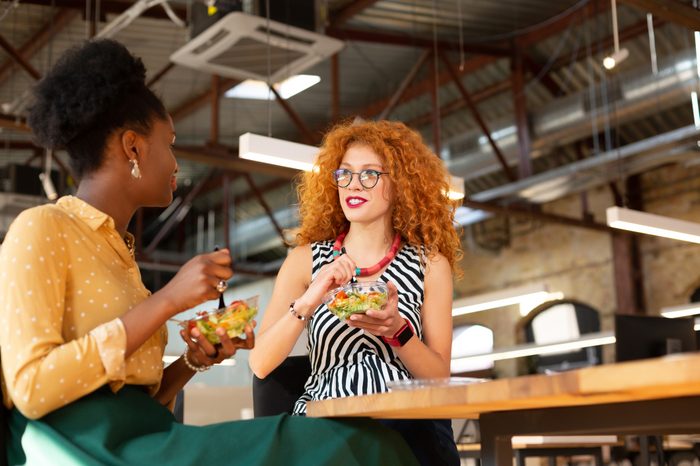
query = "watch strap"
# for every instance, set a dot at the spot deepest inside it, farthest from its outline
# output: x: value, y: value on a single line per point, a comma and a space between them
x: 401, y: 337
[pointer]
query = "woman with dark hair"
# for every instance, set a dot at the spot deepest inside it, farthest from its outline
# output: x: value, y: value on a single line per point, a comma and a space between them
x: 375, y: 209
x: 82, y: 339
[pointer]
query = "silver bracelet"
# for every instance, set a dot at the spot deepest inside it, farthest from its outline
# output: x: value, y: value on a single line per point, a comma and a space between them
x: 192, y: 366
x: 297, y: 315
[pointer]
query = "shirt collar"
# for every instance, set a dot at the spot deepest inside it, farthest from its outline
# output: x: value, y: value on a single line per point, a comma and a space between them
x: 93, y: 217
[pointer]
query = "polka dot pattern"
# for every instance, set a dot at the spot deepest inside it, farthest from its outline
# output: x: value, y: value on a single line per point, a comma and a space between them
x: 72, y: 276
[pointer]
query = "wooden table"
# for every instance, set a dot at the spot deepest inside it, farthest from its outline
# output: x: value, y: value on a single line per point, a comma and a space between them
x: 653, y: 396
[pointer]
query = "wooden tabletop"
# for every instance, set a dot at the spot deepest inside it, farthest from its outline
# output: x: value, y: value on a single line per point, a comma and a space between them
x: 667, y: 377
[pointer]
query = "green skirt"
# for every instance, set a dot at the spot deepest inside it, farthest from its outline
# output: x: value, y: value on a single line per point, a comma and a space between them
x: 130, y: 428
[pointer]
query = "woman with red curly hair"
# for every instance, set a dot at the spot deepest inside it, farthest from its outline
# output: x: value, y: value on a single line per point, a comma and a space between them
x: 375, y: 210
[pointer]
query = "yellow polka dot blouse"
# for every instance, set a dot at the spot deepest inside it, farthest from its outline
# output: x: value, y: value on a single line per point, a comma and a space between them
x: 65, y: 278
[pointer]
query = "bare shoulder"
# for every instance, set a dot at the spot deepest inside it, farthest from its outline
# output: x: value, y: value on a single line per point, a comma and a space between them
x: 437, y: 268
x: 300, y: 255
x: 298, y: 263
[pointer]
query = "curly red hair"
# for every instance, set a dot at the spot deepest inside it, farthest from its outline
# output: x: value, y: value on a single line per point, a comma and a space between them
x: 422, y: 213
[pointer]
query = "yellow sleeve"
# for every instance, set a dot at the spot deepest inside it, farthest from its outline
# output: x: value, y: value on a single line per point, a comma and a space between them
x: 42, y: 371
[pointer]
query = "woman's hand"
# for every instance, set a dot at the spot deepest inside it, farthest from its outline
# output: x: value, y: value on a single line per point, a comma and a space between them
x: 337, y: 273
x: 196, y: 281
x: 203, y: 353
x: 381, y: 322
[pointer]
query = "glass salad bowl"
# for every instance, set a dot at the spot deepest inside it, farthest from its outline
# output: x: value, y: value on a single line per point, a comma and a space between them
x: 356, y: 298
x: 233, y: 318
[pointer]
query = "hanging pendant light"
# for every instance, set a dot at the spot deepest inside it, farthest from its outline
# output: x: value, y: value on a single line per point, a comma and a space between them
x: 652, y: 224
x: 618, y: 55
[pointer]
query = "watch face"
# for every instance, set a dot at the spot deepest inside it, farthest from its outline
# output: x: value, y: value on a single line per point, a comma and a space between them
x: 404, y: 336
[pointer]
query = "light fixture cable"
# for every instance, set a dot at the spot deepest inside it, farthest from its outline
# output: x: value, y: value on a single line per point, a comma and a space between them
x: 461, y: 35
x: 436, y: 71
x: 269, y: 70
x: 616, y: 38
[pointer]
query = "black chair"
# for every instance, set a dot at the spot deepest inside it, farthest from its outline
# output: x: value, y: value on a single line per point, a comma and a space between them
x: 179, y: 406
x: 587, y: 320
x: 277, y: 393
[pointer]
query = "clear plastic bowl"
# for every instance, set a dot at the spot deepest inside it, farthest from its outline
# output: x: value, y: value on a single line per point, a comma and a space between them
x: 356, y: 298
x: 233, y: 318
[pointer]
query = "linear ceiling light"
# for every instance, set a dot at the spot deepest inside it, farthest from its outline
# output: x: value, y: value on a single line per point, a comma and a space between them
x: 586, y: 341
x: 301, y: 156
x: 651, y: 224
x: 500, y: 298
x: 277, y: 151
x: 456, y: 188
x: 685, y: 310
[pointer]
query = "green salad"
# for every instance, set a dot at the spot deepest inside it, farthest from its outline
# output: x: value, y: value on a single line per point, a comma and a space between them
x: 233, y: 318
x: 357, y: 300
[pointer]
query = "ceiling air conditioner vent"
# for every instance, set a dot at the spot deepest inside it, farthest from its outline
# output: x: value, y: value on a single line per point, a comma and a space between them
x: 238, y: 46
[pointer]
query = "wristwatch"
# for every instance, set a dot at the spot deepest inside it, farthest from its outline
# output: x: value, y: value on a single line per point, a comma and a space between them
x: 401, y: 337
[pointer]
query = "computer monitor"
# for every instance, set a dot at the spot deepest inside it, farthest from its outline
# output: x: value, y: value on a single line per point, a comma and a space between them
x: 640, y: 337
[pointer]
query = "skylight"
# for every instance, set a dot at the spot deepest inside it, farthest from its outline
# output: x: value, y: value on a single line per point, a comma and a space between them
x: 254, y: 89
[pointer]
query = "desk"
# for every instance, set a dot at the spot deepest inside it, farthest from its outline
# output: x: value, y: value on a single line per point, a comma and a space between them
x: 653, y: 396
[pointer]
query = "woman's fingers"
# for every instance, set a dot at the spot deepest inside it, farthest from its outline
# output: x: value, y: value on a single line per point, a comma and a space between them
x: 188, y: 340
x: 374, y: 317
x: 196, y: 354
x: 220, y: 272
x: 393, y: 292
x: 202, y: 352
x: 347, y: 264
x: 249, y: 341
x: 220, y: 257
x: 204, y: 344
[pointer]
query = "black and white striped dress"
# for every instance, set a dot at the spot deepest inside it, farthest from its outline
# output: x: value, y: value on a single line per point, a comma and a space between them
x: 348, y: 361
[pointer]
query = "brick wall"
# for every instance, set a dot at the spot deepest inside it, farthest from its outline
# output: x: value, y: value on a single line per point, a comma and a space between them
x: 578, y: 262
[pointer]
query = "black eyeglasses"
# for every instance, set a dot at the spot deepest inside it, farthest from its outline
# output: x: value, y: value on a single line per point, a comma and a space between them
x: 368, y: 178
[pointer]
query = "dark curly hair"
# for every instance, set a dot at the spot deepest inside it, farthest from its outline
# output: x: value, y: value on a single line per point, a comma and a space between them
x: 93, y: 89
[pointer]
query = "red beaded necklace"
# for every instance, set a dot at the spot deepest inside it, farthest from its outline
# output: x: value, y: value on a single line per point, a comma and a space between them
x: 364, y: 272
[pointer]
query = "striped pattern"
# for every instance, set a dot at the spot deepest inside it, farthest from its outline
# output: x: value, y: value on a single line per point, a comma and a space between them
x: 347, y: 361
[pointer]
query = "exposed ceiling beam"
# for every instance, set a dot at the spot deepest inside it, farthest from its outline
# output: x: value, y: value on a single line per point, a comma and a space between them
x: 589, y: 9
x: 215, y: 182
x: 245, y: 195
x: 458, y: 104
x: 306, y: 134
x: 426, y: 85
x: 397, y: 39
x: 527, y: 40
x: 266, y: 207
x: 671, y: 10
x: 111, y: 6
x: 159, y: 75
x: 177, y: 216
x: 227, y: 158
x: 492, y: 90
x: 18, y: 145
x: 200, y: 100
x: 19, y: 59
x: 540, y: 73
x: 47, y: 31
x: 14, y: 123
x: 630, y: 32
x: 524, y: 211
x: 408, y: 79
x: 517, y: 74
x: 354, y: 8
x: 466, y: 96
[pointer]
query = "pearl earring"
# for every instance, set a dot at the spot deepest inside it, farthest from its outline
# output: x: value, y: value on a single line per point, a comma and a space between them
x: 135, y: 170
